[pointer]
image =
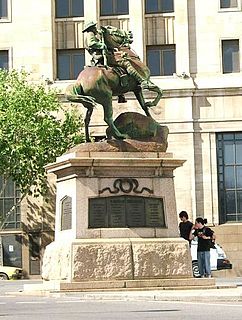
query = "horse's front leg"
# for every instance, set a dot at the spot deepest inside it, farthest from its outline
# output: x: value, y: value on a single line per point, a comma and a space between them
x: 87, y: 122
x: 108, y: 118
x: 89, y: 106
x: 139, y: 96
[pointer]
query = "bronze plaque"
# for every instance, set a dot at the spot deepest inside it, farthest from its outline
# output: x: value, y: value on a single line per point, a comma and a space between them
x: 97, y: 212
x: 126, y: 211
x: 135, y: 211
x: 154, y: 210
x: 116, y: 211
x: 66, y: 213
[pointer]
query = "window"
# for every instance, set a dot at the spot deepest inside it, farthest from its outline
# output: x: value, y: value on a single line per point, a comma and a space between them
x: 12, y: 250
x: 69, y: 8
x: 161, y: 60
x: 114, y: 7
x: 154, y: 6
x: 9, y: 197
x: 229, y: 160
x: 230, y: 55
x: 225, y: 4
x: 4, y: 59
x: 70, y: 63
x: 3, y: 9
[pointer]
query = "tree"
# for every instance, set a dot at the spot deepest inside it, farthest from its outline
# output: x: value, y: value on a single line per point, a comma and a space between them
x: 31, y: 135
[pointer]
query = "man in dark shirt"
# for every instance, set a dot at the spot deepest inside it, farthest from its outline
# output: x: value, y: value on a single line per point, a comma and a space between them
x: 204, y: 235
x: 185, y: 225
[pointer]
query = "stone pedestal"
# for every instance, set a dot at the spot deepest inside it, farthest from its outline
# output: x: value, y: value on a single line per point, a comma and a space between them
x: 93, y: 242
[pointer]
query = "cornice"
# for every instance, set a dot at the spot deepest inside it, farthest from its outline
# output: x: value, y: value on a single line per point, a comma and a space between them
x: 182, y: 93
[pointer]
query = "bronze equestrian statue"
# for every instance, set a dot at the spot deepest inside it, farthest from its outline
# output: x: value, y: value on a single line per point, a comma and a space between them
x: 116, y: 69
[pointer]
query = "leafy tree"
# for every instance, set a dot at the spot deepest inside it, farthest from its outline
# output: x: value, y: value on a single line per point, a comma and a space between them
x: 31, y: 135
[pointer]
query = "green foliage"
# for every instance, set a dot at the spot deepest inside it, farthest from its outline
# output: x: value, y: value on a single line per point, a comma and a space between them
x: 31, y: 135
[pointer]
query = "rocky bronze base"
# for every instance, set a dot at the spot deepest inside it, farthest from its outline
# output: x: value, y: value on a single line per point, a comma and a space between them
x: 113, y: 145
x: 142, y: 128
x: 145, y: 135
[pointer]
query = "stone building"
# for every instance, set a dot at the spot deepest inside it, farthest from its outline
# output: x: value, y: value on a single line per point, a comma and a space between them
x: 192, y: 48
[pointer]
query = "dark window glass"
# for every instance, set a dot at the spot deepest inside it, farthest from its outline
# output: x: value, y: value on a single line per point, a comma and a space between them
x: 155, y: 6
x: 153, y: 61
x: 12, y: 257
x: 9, y: 219
x: 3, y: 8
x: 70, y: 63
x: 69, y: 8
x: 229, y: 157
x: 77, y: 8
x: 114, y: 7
x: 228, y: 4
x: 229, y: 152
x: 238, y: 154
x: 239, y: 177
x: 4, y: 59
x: 230, y: 54
x: 161, y: 60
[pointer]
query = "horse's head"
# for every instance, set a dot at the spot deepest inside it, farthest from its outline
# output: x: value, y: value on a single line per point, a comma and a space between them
x: 115, y: 38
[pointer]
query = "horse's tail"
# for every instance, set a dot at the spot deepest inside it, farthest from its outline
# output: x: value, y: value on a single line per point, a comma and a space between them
x: 72, y: 95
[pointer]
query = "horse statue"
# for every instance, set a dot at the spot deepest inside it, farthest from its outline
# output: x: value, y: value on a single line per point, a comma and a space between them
x: 98, y: 84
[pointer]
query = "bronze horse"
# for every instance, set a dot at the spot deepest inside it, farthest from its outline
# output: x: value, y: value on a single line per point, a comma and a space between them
x: 98, y: 84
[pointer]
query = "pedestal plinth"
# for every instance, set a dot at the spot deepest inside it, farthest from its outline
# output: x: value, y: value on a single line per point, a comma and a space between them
x: 116, y: 219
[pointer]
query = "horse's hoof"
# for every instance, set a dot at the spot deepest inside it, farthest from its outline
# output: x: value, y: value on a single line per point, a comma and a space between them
x: 122, y: 137
x: 149, y: 104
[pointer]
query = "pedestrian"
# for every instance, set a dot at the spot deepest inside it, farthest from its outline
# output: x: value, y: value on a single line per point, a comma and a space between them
x: 185, y: 225
x: 205, y: 237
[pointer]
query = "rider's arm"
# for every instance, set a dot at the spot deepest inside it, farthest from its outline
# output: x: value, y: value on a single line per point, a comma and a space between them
x: 93, y: 42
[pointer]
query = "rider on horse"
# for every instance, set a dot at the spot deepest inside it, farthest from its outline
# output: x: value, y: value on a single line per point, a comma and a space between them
x: 102, y: 55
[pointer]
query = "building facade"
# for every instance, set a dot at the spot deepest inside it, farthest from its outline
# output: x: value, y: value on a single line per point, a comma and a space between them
x: 192, y: 48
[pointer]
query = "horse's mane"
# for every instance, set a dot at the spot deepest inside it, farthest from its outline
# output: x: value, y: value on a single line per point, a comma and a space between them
x: 115, y: 38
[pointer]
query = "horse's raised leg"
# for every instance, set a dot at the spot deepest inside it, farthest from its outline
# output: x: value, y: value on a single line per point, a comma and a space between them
x: 157, y: 98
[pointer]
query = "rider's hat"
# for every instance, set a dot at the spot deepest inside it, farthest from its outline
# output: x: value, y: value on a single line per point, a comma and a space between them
x: 89, y: 25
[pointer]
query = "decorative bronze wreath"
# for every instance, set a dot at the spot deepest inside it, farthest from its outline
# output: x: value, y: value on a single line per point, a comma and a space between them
x: 126, y: 185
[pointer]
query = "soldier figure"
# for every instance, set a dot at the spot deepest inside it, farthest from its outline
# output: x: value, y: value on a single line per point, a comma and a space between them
x: 97, y: 48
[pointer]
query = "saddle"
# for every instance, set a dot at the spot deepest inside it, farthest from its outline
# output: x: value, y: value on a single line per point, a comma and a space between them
x: 123, y: 75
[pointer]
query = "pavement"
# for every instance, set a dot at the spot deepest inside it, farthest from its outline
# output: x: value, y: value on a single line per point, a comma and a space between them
x: 229, y: 290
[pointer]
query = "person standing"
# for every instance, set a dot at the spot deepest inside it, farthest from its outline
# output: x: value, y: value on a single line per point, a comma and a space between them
x: 204, y: 235
x: 185, y: 226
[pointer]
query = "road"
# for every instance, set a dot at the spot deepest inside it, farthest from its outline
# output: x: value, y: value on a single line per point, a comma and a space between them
x: 71, y: 306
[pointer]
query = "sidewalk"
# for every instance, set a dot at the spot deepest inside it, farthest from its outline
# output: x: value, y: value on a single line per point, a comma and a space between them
x: 226, y: 290
x: 205, y: 295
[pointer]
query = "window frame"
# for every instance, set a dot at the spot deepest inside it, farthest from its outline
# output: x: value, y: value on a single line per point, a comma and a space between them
x: 114, y: 7
x: 161, y: 49
x: 15, y: 222
x: 70, y: 10
x: 232, y: 61
x: 8, y: 16
x: 71, y: 53
x: 229, y: 9
x: 225, y: 187
x: 159, y: 6
x: 8, y: 57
